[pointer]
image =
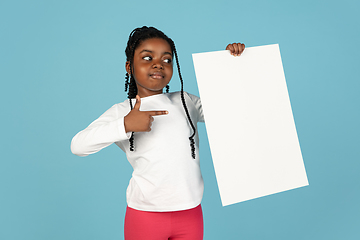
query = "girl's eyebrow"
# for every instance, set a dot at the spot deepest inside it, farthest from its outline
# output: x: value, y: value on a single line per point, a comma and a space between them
x: 145, y: 50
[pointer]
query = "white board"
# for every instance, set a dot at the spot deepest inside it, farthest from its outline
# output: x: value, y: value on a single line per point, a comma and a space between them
x: 249, y: 122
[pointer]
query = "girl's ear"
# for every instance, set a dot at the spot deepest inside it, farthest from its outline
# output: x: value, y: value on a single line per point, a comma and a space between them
x: 127, y: 67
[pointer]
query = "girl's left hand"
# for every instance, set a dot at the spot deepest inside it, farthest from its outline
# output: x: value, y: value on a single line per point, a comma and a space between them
x: 236, y: 49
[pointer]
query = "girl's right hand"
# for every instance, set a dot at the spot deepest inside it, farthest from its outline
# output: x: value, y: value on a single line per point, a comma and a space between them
x: 236, y: 49
x: 140, y: 121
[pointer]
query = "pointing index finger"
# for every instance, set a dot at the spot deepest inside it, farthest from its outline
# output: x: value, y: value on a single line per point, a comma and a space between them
x: 155, y: 113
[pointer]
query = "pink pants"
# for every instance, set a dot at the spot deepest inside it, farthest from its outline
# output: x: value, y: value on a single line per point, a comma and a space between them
x: 142, y: 225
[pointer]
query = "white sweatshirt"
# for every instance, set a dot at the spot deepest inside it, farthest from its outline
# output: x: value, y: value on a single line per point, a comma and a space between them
x: 165, y: 177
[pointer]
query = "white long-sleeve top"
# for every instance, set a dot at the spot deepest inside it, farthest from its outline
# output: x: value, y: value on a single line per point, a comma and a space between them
x: 165, y: 176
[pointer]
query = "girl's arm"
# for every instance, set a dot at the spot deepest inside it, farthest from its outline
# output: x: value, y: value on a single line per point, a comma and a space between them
x: 104, y: 131
x: 113, y: 126
x: 195, y: 100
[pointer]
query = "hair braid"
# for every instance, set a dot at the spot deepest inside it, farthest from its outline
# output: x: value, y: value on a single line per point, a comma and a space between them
x: 132, y: 93
x: 191, y: 138
x: 126, y: 81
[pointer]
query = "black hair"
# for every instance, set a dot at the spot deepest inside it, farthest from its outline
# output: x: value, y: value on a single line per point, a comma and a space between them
x: 137, y: 36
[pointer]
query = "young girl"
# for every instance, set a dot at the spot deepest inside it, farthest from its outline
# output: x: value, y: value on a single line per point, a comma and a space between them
x: 157, y: 131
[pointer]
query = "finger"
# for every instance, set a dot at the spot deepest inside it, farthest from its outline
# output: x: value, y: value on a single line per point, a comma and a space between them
x: 239, y: 49
x: 236, y: 49
x: 230, y: 47
x: 155, y: 113
x: 138, y: 103
x: 151, y: 119
x: 242, y: 48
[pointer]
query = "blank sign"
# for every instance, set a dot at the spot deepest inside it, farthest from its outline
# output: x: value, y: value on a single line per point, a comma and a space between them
x: 249, y: 122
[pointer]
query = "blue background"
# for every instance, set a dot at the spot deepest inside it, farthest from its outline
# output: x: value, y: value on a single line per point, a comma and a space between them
x: 62, y: 65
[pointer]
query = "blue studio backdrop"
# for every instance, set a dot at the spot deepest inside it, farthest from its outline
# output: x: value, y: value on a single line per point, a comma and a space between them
x: 62, y: 65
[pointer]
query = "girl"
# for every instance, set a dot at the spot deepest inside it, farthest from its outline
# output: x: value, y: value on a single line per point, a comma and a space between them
x: 158, y: 134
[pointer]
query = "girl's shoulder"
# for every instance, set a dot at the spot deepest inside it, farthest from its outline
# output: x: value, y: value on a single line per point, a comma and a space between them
x: 119, y: 108
x: 124, y: 104
x: 177, y: 95
x: 192, y: 101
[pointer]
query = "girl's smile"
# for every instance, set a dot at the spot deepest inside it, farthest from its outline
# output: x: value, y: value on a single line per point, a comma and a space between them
x: 152, y: 66
x: 157, y: 75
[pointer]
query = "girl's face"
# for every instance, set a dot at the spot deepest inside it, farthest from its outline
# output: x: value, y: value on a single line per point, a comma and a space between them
x: 152, y: 66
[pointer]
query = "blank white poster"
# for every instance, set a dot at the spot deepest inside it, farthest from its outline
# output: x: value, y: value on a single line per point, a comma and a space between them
x: 249, y: 122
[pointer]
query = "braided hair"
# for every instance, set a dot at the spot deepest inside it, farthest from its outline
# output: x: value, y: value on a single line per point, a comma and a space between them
x: 137, y: 36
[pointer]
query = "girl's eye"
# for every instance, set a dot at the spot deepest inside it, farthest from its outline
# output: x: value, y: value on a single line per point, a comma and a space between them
x: 168, y: 60
x: 147, y: 58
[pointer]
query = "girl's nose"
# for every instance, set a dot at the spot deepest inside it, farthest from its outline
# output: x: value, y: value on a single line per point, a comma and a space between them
x: 158, y: 64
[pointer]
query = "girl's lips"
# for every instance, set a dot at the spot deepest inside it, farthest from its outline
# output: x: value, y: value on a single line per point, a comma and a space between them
x: 157, y: 75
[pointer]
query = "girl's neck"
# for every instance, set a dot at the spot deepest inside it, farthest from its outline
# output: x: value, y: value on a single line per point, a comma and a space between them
x: 145, y: 93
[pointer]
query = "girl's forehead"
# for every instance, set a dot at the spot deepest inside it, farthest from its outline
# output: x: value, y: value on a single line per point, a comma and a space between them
x: 154, y: 44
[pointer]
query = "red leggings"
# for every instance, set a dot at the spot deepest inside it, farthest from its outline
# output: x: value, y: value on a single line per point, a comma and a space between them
x: 186, y: 224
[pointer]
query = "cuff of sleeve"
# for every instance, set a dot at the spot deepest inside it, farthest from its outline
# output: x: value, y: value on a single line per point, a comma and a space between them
x: 121, y: 127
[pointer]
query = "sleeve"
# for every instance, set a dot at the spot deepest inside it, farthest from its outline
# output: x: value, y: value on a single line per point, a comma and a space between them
x: 104, y: 131
x: 197, y: 103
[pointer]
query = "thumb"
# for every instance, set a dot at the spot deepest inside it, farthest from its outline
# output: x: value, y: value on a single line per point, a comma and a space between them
x: 138, y: 102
